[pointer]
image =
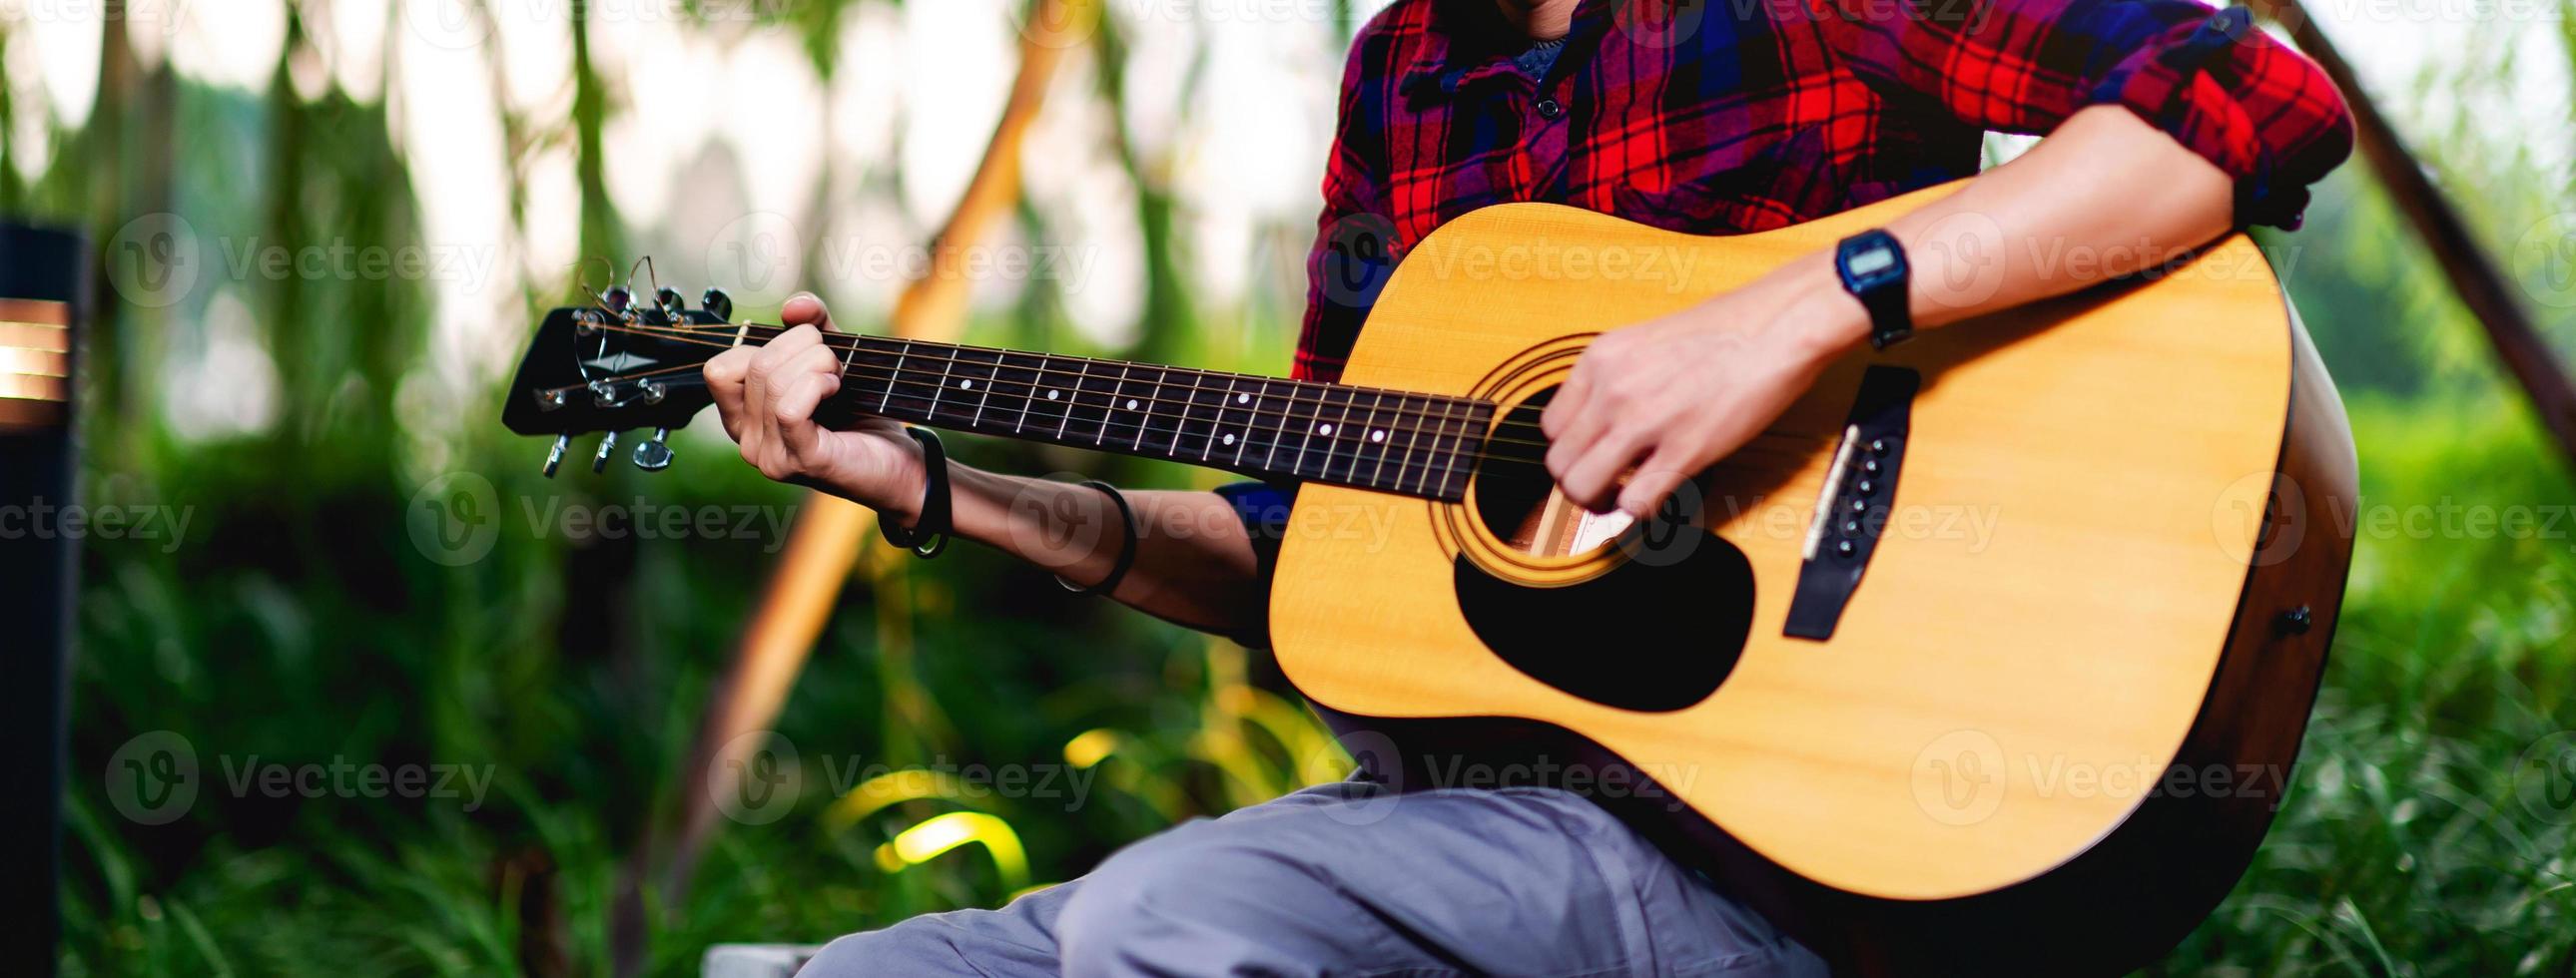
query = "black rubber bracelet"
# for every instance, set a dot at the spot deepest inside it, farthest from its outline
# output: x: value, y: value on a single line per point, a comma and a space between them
x: 929, y: 533
x: 1126, y: 554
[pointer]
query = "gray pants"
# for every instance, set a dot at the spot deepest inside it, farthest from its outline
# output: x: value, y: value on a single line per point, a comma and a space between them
x: 1348, y: 879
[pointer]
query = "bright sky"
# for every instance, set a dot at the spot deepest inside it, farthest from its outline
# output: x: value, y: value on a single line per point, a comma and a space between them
x: 723, y: 133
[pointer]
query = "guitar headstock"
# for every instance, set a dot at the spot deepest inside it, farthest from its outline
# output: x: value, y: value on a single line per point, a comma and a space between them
x: 618, y: 365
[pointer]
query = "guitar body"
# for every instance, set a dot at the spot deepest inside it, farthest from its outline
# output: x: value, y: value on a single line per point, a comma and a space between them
x: 2046, y: 727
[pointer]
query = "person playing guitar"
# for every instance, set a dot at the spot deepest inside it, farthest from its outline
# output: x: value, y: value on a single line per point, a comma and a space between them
x: 2167, y: 126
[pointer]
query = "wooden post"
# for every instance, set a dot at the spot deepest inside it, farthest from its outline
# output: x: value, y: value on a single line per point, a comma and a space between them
x: 2474, y: 277
x: 825, y: 543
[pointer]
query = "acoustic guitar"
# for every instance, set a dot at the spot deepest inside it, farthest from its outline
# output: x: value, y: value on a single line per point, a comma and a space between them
x: 1994, y: 651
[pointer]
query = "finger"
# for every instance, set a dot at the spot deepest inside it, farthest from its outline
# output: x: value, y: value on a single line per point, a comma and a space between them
x: 1568, y: 403
x: 806, y: 309
x: 1589, y: 481
x: 769, y: 367
x: 1578, y: 433
x: 725, y: 373
x: 1654, y: 482
x: 798, y: 435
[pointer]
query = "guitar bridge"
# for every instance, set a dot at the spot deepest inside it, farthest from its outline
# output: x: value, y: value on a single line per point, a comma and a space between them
x: 1852, y: 509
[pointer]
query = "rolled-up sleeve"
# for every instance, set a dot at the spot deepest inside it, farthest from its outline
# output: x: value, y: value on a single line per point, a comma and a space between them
x: 2260, y: 111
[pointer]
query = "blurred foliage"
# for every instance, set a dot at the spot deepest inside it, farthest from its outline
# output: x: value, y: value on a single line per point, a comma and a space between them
x: 302, y: 622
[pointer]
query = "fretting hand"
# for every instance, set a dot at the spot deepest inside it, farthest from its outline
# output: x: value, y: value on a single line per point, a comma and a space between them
x: 767, y: 396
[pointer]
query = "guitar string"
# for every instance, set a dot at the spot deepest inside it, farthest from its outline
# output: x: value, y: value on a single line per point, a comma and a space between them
x: 1293, y: 399
x: 893, y: 375
x: 1344, y: 436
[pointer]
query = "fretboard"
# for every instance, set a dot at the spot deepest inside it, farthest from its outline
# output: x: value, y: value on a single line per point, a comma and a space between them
x: 1354, y: 436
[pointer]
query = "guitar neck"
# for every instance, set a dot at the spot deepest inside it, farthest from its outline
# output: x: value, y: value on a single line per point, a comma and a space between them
x: 1385, y: 440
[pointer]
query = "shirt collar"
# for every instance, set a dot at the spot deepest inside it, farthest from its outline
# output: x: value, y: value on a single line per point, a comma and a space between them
x: 1469, y: 41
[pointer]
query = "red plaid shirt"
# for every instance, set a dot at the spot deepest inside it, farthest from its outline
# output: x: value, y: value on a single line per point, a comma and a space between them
x: 1746, y: 115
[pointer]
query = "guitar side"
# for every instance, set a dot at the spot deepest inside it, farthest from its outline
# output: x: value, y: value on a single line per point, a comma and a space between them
x: 2076, y: 596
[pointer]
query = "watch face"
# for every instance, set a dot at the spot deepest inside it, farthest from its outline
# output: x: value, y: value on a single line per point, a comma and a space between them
x: 1871, y: 261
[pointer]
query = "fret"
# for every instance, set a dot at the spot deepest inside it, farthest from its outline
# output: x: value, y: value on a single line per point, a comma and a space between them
x: 1148, y: 408
x: 1412, y: 434
x: 939, y: 389
x: 1276, y: 425
x: 1182, y: 423
x: 1337, y: 434
x: 1424, y: 487
x: 1028, y: 388
x: 1469, y: 438
x: 1216, y: 419
x: 887, y: 402
x: 1376, y: 437
x: 1105, y: 389
x: 1066, y: 399
x: 984, y: 388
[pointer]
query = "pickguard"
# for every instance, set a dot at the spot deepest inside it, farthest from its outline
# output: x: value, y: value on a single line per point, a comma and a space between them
x: 1655, y: 634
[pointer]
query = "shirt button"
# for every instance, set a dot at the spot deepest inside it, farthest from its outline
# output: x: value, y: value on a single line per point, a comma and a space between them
x: 1549, y: 108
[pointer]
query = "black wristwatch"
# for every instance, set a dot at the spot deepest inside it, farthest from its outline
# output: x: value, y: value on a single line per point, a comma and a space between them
x: 1873, y: 270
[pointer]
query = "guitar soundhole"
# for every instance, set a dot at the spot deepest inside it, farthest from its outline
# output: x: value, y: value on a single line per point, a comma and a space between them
x: 1658, y: 631
x: 1518, y: 501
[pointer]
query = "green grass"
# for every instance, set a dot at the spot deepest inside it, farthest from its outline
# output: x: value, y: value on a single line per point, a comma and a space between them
x: 303, y: 626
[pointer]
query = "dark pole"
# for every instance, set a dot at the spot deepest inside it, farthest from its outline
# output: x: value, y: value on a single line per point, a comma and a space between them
x: 2474, y: 277
x: 41, y: 283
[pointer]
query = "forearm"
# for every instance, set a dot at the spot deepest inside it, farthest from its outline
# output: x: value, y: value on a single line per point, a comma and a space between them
x: 2104, y: 196
x: 1194, y: 562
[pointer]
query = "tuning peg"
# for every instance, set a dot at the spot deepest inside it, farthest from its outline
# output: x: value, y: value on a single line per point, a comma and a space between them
x: 668, y: 300
x: 617, y: 298
x: 607, y: 447
x: 554, y: 456
x: 656, y: 454
x: 717, y: 304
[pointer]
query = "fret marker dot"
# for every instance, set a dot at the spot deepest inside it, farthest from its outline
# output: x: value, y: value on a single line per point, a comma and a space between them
x: 1051, y: 395
x: 965, y: 385
x: 1243, y: 399
x: 1323, y: 429
x: 1229, y: 438
x: 1131, y: 404
x: 1378, y: 435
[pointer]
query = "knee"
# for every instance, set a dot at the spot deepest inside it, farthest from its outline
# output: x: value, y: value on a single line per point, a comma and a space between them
x: 1182, y: 900
x: 894, y: 950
